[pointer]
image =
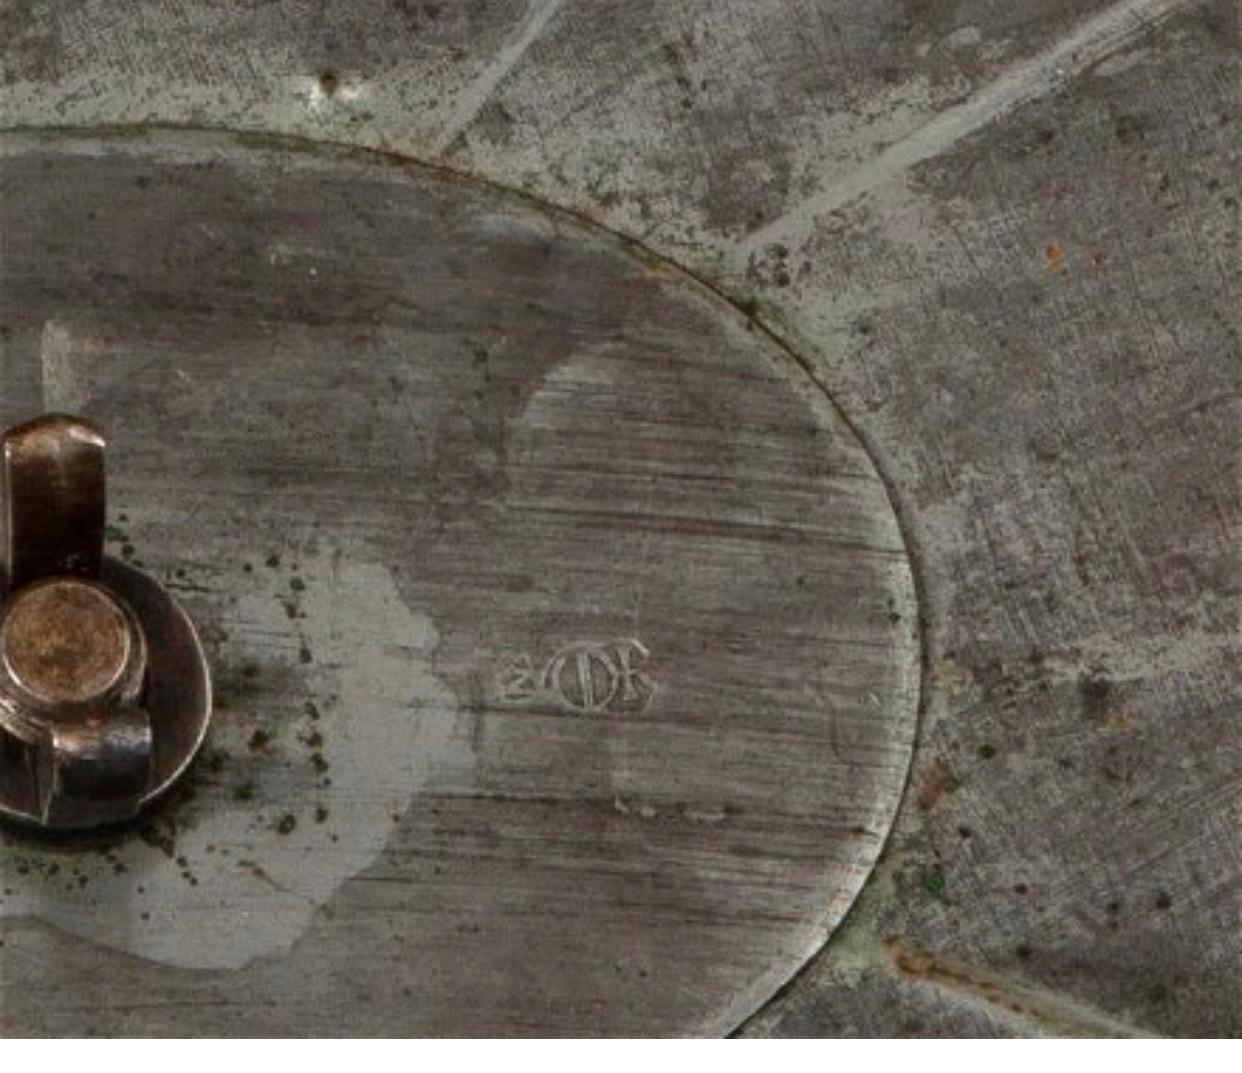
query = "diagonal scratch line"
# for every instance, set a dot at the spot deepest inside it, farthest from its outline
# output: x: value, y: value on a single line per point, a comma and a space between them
x: 471, y: 100
x: 1048, y: 1012
x: 1088, y: 44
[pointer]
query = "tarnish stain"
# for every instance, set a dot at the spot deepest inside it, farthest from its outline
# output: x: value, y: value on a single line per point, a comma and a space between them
x: 938, y: 781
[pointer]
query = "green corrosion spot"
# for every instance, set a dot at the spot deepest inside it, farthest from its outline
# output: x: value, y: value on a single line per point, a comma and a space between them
x: 935, y: 884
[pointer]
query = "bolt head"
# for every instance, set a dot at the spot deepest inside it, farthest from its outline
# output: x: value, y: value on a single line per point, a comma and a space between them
x: 66, y: 641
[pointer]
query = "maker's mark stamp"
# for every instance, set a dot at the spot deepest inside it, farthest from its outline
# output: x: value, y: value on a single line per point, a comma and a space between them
x: 584, y: 677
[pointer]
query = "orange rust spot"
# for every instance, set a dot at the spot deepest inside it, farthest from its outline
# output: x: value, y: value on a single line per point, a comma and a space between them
x: 914, y: 964
x: 1054, y: 255
x: 927, y: 967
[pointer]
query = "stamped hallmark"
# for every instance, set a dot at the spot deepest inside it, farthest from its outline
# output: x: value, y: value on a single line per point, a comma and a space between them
x: 583, y: 677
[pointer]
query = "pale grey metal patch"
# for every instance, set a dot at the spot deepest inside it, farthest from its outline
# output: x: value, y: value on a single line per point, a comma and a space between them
x: 228, y: 880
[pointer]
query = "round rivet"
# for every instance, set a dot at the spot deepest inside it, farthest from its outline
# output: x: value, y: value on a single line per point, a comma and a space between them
x: 66, y: 641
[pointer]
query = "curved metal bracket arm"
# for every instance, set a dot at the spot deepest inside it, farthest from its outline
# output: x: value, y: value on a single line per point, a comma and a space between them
x: 53, y: 493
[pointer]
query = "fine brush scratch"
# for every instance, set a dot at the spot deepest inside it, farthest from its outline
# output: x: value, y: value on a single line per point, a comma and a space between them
x: 471, y: 100
x: 1091, y: 42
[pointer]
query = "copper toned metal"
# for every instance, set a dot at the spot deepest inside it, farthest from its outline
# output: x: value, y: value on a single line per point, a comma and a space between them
x: 67, y: 641
x: 52, y: 490
x: 104, y: 690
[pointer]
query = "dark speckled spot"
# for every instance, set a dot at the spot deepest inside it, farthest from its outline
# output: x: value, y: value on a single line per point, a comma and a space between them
x: 1094, y: 689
